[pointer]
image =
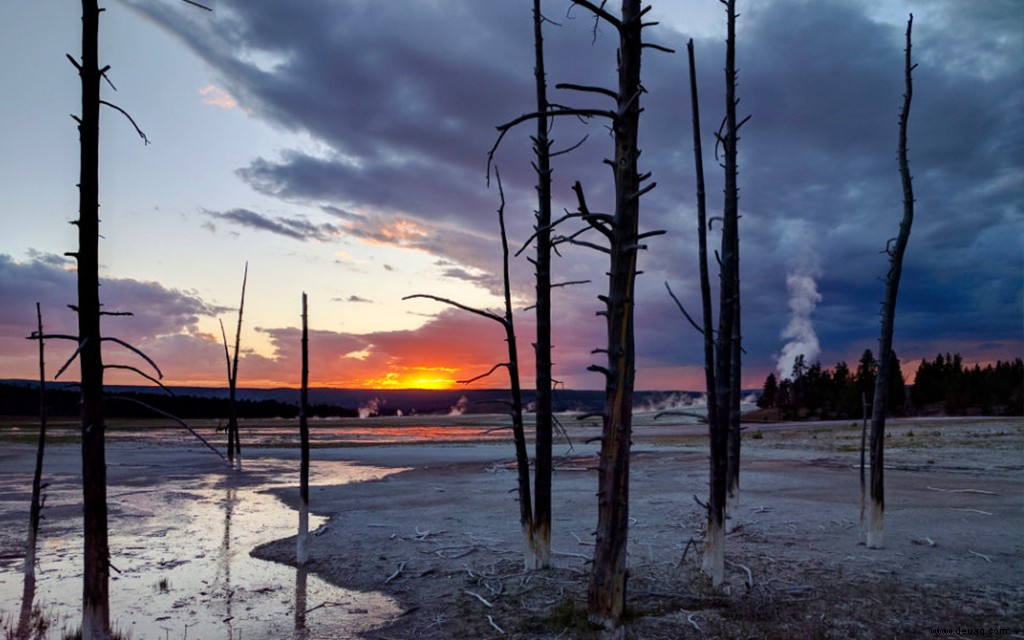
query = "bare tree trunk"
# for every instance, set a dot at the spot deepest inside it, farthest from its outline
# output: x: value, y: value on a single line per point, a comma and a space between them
x: 96, y: 570
x: 713, y: 558
x: 724, y: 439
x: 731, y: 215
x: 540, y: 538
x: 36, y: 506
x: 518, y: 432
x: 302, y: 542
x: 735, y: 398
x: 875, y: 537
x: 606, y: 592
x: 234, y: 443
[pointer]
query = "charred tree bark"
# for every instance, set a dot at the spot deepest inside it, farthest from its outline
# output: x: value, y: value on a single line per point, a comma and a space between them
x: 302, y: 542
x: 725, y: 435
x: 540, y: 534
x: 606, y: 591
x: 96, y: 568
x: 731, y: 233
x: 713, y: 555
x: 36, y: 506
x: 875, y: 537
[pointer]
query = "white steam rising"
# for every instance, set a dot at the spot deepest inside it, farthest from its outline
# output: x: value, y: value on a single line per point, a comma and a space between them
x: 799, y: 333
x: 371, y: 408
x: 459, y: 407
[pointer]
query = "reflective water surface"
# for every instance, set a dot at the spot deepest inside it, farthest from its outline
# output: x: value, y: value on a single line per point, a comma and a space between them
x: 180, y: 548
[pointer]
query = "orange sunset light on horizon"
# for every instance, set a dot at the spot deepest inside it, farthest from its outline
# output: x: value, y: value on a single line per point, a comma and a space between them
x: 413, y: 378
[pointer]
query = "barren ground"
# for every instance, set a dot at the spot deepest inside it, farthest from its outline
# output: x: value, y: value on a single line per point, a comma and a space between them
x: 442, y: 538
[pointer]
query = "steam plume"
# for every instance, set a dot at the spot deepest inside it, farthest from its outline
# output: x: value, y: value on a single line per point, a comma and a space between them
x: 459, y: 407
x: 799, y: 333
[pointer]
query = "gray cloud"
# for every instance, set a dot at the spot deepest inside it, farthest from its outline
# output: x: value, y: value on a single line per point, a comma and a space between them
x: 295, y: 228
x: 408, y: 124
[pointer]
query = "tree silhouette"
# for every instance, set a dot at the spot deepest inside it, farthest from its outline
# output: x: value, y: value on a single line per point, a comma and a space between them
x: 302, y: 541
x: 36, y: 505
x: 539, y: 542
x: 234, y: 443
x: 895, y: 249
x: 606, y: 590
x: 96, y: 549
x: 507, y: 321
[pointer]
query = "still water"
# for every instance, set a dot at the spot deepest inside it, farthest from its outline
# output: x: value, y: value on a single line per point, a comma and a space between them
x: 180, y: 544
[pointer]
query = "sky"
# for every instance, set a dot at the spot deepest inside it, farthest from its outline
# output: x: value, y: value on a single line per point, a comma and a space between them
x: 340, y: 148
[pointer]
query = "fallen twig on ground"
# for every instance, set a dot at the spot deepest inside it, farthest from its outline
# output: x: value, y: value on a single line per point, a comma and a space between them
x: 493, y: 624
x: 981, y: 555
x: 750, y: 574
x: 981, y: 491
x: 396, y: 573
x: 479, y: 597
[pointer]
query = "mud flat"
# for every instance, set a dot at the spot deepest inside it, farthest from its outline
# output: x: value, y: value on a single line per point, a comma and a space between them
x: 436, y: 537
x: 421, y: 541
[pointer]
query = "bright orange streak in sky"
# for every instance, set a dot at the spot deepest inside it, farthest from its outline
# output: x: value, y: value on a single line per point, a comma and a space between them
x: 413, y: 378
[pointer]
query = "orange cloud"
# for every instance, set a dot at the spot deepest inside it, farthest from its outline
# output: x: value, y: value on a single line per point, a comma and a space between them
x: 217, y: 97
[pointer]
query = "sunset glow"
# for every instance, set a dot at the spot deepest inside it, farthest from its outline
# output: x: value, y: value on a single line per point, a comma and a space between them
x: 294, y: 146
x: 414, y: 378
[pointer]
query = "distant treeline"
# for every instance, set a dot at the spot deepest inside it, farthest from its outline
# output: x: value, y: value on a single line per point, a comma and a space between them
x: 942, y: 386
x: 994, y: 390
x: 23, y: 400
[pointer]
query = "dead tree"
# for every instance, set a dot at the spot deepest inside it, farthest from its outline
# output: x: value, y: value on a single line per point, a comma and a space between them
x: 234, y: 444
x: 540, y: 540
x: 512, y: 366
x: 606, y: 590
x: 36, y: 505
x: 540, y: 536
x: 96, y: 548
x: 96, y: 551
x: 895, y: 249
x: 714, y: 552
x: 302, y: 542
x: 725, y: 432
x: 731, y: 253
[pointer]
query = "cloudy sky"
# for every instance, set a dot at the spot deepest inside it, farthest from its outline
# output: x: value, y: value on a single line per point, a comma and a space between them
x: 340, y: 147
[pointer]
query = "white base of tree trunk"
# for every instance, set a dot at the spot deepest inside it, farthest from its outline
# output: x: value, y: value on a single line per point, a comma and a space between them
x: 93, y: 624
x: 302, y: 542
x: 732, y: 510
x: 713, y: 562
x: 536, y: 550
x: 876, y: 529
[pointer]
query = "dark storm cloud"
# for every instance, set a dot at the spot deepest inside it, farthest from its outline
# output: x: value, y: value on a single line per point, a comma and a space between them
x: 295, y: 228
x: 406, y: 96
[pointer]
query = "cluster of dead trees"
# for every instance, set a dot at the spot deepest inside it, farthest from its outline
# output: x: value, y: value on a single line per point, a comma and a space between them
x: 619, y: 237
x: 623, y: 239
